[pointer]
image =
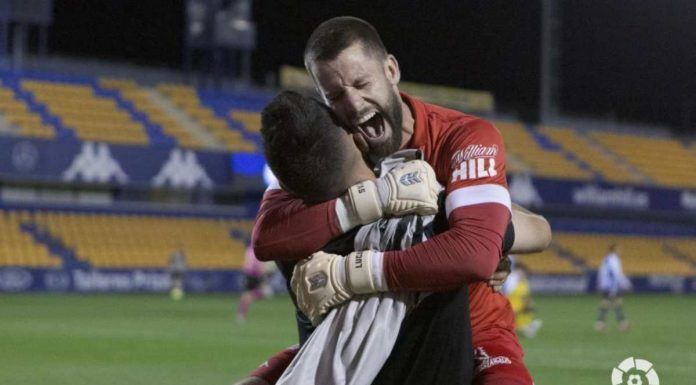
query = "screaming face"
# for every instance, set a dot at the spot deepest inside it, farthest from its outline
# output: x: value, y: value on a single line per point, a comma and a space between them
x: 360, y: 87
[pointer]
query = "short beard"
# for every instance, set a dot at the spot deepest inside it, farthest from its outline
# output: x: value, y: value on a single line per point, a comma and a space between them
x: 393, y: 115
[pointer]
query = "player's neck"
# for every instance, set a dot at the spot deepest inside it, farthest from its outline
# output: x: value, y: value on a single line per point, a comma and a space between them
x: 407, y: 124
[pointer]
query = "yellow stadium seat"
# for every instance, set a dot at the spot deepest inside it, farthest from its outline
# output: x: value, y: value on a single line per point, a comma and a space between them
x: 93, y: 117
x: 666, y: 161
x: 641, y: 255
x: 520, y: 144
x: 147, y: 241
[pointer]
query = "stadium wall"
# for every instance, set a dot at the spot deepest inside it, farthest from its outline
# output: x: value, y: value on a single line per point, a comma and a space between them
x: 17, y: 279
x: 70, y: 161
x: 79, y: 280
x: 582, y: 284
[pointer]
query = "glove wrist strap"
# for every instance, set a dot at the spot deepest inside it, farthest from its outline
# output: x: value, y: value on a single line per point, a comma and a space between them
x: 364, y: 204
x: 362, y: 271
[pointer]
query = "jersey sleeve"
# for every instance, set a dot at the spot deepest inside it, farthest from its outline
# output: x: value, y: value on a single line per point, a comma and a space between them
x: 472, y: 166
x: 273, y: 368
x: 288, y: 229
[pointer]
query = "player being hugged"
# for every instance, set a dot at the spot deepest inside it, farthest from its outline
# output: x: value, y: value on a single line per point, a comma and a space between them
x: 358, y: 80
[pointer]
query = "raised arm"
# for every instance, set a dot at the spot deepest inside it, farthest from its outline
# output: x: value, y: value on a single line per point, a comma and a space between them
x: 288, y: 229
x: 472, y: 164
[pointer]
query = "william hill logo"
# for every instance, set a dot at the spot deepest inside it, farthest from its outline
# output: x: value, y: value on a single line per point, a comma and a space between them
x: 476, y: 161
x: 182, y: 170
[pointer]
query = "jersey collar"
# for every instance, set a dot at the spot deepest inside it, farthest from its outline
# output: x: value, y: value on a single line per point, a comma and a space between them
x: 417, y: 107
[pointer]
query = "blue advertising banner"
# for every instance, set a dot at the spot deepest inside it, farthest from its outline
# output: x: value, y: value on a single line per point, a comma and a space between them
x: 15, y: 279
x: 587, y: 283
x: 102, y: 163
x: 23, y: 279
x: 540, y: 192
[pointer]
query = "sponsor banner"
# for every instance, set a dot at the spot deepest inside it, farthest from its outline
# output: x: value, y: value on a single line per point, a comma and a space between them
x: 102, y: 163
x: 24, y: 279
x: 539, y: 192
x: 559, y: 284
x: 581, y: 284
x: 20, y: 279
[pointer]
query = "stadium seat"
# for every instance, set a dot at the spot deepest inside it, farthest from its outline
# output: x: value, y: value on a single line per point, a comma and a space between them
x: 548, y: 262
x: 595, y: 157
x: 520, y: 144
x: 251, y: 120
x: 641, y: 255
x: 19, y: 248
x: 146, y: 241
x: 16, y: 113
x: 142, y: 101
x: 684, y: 246
x: 92, y: 117
x: 666, y: 161
x: 186, y: 98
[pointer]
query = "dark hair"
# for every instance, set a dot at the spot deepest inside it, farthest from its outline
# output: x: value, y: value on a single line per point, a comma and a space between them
x: 331, y: 37
x: 303, y: 146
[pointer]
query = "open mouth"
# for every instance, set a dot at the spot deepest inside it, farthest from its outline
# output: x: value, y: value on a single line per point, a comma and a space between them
x: 372, y: 125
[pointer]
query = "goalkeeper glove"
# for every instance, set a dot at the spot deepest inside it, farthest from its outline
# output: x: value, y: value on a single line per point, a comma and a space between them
x: 324, y: 280
x: 410, y: 188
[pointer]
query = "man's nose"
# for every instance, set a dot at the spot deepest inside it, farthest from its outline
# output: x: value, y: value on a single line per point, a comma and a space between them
x: 353, y: 104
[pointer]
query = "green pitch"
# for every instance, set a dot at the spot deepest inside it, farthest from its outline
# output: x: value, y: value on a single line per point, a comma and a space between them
x: 146, y: 339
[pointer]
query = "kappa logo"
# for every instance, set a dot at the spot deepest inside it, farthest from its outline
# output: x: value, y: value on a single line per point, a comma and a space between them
x: 634, y: 372
x: 410, y: 179
x: 484, y: 361
x: 182, y: 170
x: 94, y: 163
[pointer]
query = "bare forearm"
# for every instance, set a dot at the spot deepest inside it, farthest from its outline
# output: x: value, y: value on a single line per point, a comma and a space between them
x: 532, y: 231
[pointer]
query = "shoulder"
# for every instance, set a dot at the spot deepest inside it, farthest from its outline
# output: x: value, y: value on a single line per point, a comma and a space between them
x: 457, y: 128
x: 453, y: 120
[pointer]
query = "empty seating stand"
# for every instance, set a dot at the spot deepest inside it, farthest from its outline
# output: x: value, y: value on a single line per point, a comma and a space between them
x: 145, y: 241
x: 640, y: 255
x: 92, y: 117
x: 122, y: 240
x: 18, y: 248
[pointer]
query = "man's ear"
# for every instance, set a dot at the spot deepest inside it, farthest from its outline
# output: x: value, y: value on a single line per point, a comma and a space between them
x: 391, y: 69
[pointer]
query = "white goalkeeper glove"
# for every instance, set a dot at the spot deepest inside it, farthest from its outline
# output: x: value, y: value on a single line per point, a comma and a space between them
x: 324, y: 280
x: 410, y: 188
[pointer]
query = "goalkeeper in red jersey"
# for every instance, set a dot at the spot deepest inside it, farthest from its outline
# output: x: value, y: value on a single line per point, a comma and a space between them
x: 358, y: 80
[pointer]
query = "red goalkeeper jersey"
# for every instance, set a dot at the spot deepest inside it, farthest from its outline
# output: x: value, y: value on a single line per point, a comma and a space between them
x: 468, y: 157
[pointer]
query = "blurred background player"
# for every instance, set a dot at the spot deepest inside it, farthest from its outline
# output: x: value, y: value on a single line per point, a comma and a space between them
x: 257, y: 276
x: 611, y: 281
x: 177, y: 267
x: 516, y: 288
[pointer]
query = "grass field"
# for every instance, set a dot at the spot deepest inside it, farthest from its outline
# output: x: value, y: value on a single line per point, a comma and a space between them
x: 145, y: 339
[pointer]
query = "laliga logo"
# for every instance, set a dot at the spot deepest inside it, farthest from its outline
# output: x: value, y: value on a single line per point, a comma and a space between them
x: 634, y: 372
